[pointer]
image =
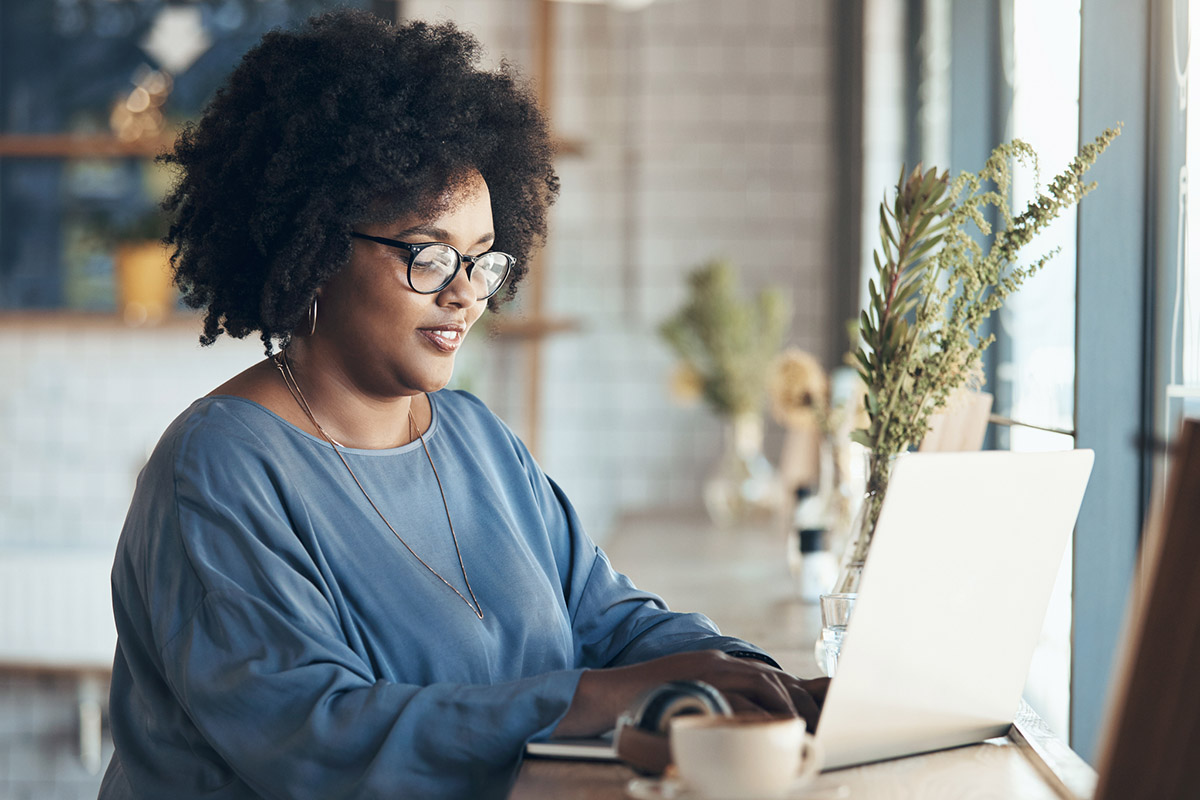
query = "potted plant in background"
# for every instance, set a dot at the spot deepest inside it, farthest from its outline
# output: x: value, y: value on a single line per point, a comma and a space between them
x: 934, y: 286
x: 142, y: 269
x: 726, y: 345
x: 127, y: 230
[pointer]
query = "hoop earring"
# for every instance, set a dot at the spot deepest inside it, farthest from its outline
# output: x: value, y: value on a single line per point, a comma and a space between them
x: 312, y: 317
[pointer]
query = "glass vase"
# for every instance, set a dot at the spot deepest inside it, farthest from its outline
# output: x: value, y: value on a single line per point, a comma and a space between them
x: 878, y: 473
x: 741, y: 486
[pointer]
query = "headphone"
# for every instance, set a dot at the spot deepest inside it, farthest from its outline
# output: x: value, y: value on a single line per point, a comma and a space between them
x: 641, y: 738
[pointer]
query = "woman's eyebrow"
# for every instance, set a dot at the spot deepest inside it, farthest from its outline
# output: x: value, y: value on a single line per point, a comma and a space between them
x: 440, y: 234
x: 432, y: 231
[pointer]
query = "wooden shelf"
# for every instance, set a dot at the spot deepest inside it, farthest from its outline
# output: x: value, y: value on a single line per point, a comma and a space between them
x: 568, y: 147
x: 66, y: 145
x: 530, y: 328
x: 93, y: 320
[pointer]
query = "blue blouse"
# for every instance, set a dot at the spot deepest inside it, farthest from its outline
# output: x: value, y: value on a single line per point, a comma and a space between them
x: 276, y: 640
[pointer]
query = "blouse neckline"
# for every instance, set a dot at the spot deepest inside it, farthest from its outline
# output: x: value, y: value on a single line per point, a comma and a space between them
x: 435, y: 417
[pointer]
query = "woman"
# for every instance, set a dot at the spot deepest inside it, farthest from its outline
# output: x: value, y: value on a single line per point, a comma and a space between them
x: 336, y: 580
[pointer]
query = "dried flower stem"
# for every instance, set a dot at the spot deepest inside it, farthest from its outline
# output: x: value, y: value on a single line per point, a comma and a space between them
x: 919, y: 337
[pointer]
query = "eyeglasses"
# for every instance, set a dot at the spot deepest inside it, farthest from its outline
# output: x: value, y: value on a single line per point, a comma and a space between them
x: 433, y: 265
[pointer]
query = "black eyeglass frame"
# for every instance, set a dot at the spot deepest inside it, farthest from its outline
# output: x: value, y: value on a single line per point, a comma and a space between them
x: 414, y: 249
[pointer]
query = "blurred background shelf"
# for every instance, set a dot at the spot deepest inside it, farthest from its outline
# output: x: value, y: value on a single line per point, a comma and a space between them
x: 66, y: 145
x: 60, y: 319
x: 530, y: 328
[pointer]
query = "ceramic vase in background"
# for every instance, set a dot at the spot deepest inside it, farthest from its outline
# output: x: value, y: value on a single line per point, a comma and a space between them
x: 742, y: 486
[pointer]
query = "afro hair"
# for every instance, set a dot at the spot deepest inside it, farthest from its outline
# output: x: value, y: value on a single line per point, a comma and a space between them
x: 345, y: 121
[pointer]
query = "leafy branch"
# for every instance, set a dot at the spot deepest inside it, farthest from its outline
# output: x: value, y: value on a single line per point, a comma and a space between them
x: 934, y: 287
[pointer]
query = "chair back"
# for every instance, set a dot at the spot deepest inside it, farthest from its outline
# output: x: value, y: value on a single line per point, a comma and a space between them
x: 1152, y: 735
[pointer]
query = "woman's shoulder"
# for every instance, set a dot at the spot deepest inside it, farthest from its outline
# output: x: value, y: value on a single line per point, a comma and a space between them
x: 221, y: 454
x: 226, y: 417
x: 469, y: 419
x: 224, y: 429
x: 462, y: 407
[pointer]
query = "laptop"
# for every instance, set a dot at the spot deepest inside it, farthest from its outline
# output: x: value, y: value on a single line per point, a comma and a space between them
x: 952, y: 601
x: 951, y: 605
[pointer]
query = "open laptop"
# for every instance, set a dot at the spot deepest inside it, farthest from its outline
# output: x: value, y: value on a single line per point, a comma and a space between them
x: 952, y: 601
x: 951, y: 605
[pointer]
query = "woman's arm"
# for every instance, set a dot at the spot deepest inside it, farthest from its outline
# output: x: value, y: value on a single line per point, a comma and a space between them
x: 633, y: 642
x: 749, y: 685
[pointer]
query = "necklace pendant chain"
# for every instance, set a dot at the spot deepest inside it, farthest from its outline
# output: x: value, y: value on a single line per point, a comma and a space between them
x: 289, y: 380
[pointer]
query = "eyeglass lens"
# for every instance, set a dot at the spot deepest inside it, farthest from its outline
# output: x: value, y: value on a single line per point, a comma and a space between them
x: 433, y: 268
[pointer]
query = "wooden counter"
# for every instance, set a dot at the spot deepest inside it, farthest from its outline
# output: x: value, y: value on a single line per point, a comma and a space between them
x: 740, y: 580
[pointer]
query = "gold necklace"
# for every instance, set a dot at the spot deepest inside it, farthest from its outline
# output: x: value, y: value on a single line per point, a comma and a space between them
x: 289, y: 380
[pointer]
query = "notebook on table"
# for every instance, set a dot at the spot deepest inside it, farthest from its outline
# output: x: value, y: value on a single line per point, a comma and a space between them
x: 599, y: 748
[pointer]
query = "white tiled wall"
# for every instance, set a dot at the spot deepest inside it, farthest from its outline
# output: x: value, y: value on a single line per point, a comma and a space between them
x: 81, y: 408
x: 707, y: 131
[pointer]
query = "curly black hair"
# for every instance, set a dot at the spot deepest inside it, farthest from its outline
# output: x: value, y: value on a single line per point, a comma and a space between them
x: 348, y: 120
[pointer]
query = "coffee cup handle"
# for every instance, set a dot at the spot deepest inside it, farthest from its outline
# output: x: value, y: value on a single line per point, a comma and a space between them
x: 812, y: 757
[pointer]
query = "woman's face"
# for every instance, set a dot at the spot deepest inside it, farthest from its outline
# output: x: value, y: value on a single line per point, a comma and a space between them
x: 387, y: 339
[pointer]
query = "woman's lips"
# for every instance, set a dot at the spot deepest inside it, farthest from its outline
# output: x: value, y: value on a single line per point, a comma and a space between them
x: 445, y: 339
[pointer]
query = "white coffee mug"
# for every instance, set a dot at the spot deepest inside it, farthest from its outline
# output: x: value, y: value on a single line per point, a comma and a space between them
x: 743, y: 755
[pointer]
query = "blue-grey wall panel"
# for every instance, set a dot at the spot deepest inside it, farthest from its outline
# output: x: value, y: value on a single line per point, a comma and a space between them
x: 981, y: 96
x: 1111, y: 347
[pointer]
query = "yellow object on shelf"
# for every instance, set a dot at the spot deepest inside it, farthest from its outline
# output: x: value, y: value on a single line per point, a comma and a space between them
x: 143, y: 281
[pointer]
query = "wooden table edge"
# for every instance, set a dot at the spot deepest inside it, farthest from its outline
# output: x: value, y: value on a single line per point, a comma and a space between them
x: 1062, y: 768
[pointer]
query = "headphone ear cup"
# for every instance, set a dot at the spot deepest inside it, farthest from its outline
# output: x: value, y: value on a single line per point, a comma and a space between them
x: 642, y: 731
x: 676, y: 699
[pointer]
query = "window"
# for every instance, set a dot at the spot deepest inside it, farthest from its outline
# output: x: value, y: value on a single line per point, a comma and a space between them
x: 1037, y: 369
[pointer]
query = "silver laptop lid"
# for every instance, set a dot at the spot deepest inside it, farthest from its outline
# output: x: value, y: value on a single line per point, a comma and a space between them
x: 952, y: 601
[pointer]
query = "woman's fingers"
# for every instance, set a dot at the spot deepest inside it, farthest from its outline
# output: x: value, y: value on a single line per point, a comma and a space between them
x: 799, y: 702
x: 817, y: 688
x: 769, y: 688
x: 742, y: 705
x: 778, y: 692
x: 807, y: 708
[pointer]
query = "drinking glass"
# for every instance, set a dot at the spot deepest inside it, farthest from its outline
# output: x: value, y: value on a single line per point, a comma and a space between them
x: 835, y: 617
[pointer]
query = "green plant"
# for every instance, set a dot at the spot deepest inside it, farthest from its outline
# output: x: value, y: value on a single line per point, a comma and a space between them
x: 727, y: 342
x: 935, y: 285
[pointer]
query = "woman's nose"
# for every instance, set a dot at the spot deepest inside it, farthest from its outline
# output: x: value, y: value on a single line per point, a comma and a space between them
x: 460, y: 291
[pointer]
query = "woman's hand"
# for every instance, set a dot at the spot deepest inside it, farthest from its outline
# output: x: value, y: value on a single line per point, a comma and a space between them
x: 749, y: 685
